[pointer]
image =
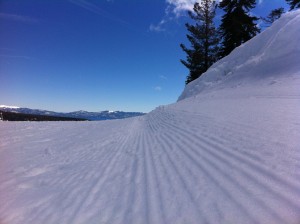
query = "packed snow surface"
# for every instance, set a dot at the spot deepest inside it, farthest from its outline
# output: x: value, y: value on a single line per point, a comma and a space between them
x: 227, y: 152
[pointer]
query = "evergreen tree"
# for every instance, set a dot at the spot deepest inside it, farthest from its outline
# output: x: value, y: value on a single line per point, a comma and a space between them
x: 237, y: 26
x: 294, y: 4
x: 203, y: 37
x: 274, y: 15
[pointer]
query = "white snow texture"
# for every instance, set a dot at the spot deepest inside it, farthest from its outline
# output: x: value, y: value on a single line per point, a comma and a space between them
x: 227, y: 152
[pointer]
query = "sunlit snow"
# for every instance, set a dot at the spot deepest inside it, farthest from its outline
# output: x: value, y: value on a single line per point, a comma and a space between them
x: 5, y: 106
x: 227, y: 152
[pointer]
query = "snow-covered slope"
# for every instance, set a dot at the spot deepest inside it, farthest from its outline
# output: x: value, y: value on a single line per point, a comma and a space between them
x: 273, y: 53
x: 229, y: 154
x: 8, y: 107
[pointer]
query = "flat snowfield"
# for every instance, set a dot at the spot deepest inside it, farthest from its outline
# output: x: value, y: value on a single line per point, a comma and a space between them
x: 219, y: 161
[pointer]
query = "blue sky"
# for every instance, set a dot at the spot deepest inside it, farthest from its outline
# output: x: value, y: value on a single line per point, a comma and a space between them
x: 67, y: 55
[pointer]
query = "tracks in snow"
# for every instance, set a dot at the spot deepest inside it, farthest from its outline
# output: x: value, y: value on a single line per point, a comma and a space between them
x: 169, y: 166
x: 191, y: 170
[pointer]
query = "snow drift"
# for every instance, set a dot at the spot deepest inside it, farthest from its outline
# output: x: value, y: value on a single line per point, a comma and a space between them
x: 274, y: 52
x: 227, y: 152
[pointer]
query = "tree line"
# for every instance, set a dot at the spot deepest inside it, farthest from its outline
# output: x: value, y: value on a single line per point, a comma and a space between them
x: 209, y: 43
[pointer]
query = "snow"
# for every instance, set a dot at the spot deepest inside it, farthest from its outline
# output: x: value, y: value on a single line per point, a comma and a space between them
x: 227, y: 152
x: 274, y: 52
x: 12, y: 107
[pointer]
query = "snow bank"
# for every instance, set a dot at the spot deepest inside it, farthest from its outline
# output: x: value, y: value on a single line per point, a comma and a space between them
x: 276, y: 51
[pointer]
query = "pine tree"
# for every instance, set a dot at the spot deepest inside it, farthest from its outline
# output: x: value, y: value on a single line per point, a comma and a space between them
x: 203, y: 37
x: 294, y: 4
x: 237, y: 26
x: 274, y: 15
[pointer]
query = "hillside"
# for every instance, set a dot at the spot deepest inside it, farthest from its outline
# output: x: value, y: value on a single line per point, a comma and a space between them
x: 12, y: 116
x: 270, y: 55
x: 226, y: 152
x: 81, y: 114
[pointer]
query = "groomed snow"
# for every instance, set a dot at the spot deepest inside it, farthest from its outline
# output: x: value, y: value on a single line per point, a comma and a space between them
x: 227, y: 152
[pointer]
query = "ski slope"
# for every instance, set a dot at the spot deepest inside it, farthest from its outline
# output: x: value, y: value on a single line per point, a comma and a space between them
x: 227, y: 152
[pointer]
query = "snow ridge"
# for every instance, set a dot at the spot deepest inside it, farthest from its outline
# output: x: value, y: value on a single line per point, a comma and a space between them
x: 12, y: 107
x: 275, y: 49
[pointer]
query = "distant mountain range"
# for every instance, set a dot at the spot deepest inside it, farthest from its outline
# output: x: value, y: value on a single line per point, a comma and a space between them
x: 93, y: 116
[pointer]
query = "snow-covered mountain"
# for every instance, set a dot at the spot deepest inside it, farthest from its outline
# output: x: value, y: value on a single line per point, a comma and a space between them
x: 227, y: 152
x: 8, y: 107
x: 93, y: 116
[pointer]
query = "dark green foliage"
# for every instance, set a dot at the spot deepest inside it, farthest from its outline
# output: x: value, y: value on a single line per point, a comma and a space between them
x: 237, y: 26
x: 274, y: 15
x: 203, y: 38
x: 294, y: 4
